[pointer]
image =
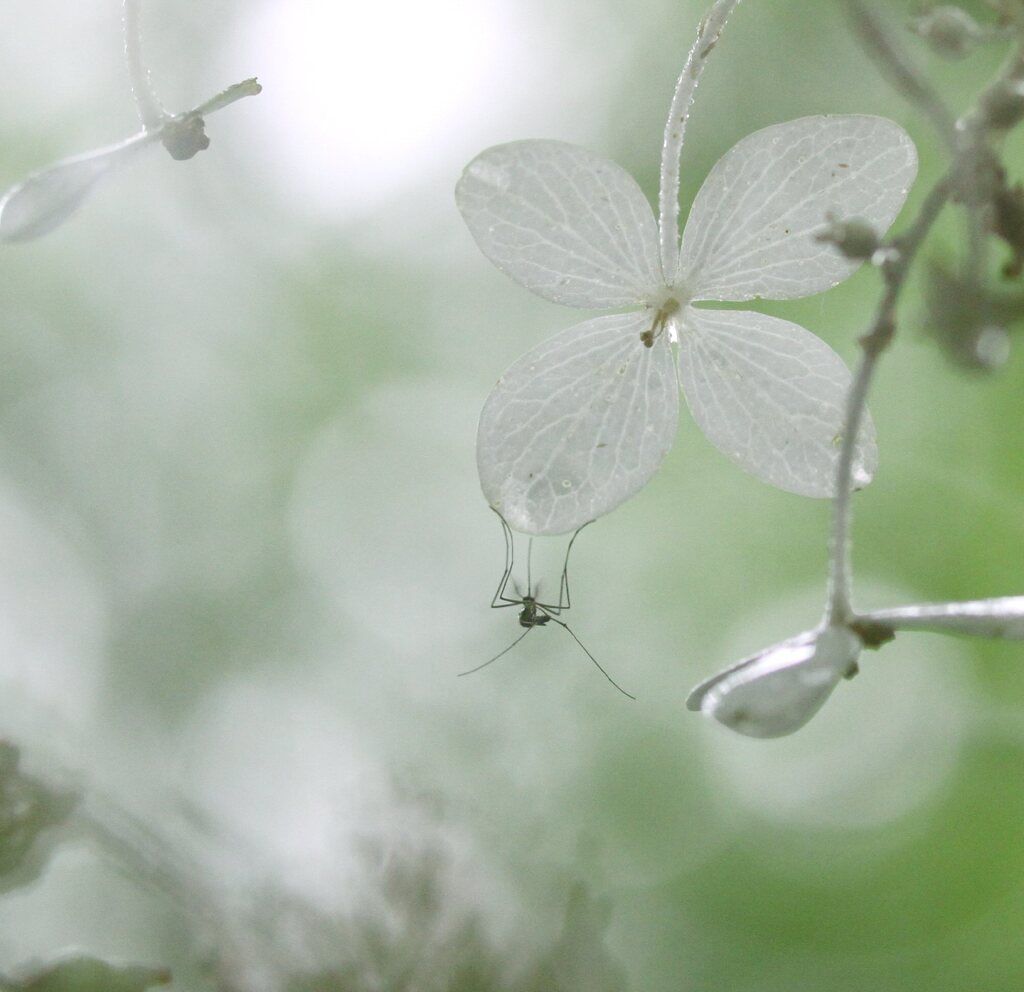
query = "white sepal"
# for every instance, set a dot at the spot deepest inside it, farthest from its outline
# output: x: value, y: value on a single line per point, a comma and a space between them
x: 48, y: 197
x: 752, y: 230
x: 568, y: 224
x: 577, y: 425
x: 776, y: 691
x: 771, y: 396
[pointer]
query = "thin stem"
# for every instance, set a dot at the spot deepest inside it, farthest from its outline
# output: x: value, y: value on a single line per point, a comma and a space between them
x: 668, y: 197
x: 247, y: 87
x: 1000, y: 617
x: 897, y: 257
x: 150, y: 110
x: 894, y: 63
x: 965, y: 144
x: 839, y: 608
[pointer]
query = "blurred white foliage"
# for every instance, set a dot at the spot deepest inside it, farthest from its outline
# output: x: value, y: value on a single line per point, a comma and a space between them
x: 53, y: 625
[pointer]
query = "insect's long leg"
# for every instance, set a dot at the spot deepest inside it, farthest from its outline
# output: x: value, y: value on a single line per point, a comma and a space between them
x: 506, y: 651
x: 564, y: 601
x: 562, y: 623
x: 529, y: 567
x: 500, y: 600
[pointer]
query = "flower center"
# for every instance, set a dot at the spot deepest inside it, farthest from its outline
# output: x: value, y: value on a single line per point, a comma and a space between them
x: 668, y: 308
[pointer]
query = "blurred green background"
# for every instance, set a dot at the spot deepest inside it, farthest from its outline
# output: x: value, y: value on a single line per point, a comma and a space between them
x: 243, y: 551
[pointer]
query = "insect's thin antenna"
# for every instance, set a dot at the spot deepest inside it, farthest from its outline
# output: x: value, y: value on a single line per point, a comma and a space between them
x: 529, y: 566
x: 562, y: 623
x: 509, y: 560
x: 506, y: 651
x: 564, y: 602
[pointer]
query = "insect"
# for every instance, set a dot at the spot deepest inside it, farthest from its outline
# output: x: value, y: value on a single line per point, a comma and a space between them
x: 534, y: 613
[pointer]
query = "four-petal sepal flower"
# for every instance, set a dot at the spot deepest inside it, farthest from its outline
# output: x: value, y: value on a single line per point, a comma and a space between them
x: 579, y: 424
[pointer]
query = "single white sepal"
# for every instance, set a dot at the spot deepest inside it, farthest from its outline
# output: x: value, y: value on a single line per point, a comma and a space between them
x: 48, y: 197
x: 577, y: 425
x: 752, y: 229
x: 567, y: 224
x: 771, y: 395
x: 776, y: 691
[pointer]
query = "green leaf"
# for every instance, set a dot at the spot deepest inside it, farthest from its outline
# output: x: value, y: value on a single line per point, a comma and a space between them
x: 82, y: 973
x: 29, y: 811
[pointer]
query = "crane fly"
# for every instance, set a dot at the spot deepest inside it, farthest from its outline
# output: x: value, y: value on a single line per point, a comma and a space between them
x: 532, y: 612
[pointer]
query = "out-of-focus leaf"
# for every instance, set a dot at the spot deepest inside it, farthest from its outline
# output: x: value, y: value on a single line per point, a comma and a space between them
x: 580, y: 959
x: 29, y: 811
x: 82, y: 973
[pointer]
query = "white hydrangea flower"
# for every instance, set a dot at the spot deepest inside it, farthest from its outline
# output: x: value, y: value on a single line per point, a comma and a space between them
x: 581, y: 422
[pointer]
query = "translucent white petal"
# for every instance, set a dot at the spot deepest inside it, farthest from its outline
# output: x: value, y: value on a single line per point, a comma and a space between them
x: 770, y: 395
x: 568, y: 224
x: 47, y: 198
x: 796, y: 649
x: 577, y: 425
x: 751, y: 230
x: 776, y: 691
x: 999, y: 617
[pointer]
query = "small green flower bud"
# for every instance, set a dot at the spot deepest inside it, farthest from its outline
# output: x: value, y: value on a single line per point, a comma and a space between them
x: 1002, y: 106
x: 949, y: 31
x: 1008, y: 217
x: 185, y: 137
x: 968, y: 321
x: 854, y: 238
x: 991, y: 347
x: 29, y: 812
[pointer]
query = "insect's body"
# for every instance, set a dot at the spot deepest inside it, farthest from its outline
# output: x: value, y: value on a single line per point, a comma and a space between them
x: 532, y: 612
x: 530, y: 615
